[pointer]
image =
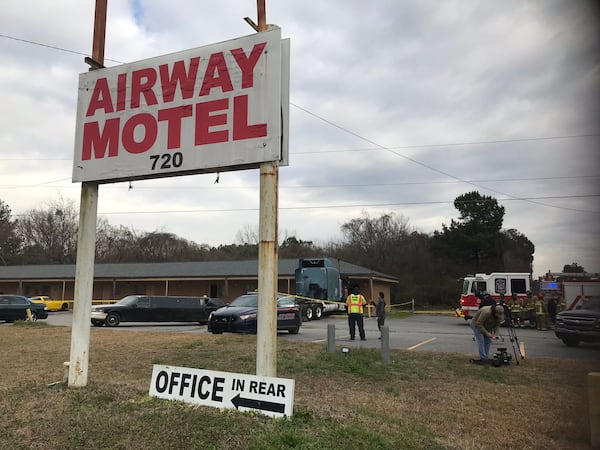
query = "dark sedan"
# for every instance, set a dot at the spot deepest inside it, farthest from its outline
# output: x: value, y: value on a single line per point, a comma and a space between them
x: 240, y: 315
x: 14, y: 307
x: 581, y: 324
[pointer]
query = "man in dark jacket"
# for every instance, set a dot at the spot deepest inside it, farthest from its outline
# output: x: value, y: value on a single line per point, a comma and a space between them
x: 380, y: 311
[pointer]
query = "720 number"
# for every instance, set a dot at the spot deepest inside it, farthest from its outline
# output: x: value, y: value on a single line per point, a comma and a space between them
x: 166, y: 160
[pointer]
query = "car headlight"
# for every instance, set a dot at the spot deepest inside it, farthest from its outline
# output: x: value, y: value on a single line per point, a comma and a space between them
x: 248, y: 316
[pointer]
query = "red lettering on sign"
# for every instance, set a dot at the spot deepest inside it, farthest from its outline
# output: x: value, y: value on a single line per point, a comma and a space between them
x: 247, y: 64
x: 217, y: 75
x: 100, y: 99
x: 241, y: 129
x: 121, y: 91
x: 204, y: 120
x: 208, y: 115
x: 99, y: 142
x: 179, y: 76
x: 146, y: 121
x: 142, y: 82
x: 173, y: 117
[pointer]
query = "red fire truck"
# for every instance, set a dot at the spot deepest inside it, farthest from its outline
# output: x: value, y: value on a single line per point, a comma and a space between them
x: 496, y: 283
x: 572, y: 287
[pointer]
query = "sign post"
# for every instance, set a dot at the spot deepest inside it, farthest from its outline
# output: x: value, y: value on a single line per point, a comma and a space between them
x: 266, y: 334
x: 86, y: 243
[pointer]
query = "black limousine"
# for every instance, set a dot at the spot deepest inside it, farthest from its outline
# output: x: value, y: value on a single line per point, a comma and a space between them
x: 148, y: 308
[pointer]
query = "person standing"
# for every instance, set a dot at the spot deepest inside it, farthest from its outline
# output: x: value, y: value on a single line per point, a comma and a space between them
x: 355, y: 303
x: 380, y: 311
x: 516, y: 310
x: 485, y: 325
x: 540, y: 313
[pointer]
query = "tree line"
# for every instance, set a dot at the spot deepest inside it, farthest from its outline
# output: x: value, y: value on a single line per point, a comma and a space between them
x: 427, y: 265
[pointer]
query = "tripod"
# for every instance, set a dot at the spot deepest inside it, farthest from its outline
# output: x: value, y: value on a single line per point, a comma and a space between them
x: 512, y: 334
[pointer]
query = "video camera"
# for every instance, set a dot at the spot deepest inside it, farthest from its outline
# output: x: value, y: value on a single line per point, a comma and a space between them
x: 501, y: 357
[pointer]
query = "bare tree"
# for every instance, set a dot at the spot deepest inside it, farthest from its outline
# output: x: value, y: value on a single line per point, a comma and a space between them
x: 49, y: 235
x: 10, y: 243
x: 247, y: 235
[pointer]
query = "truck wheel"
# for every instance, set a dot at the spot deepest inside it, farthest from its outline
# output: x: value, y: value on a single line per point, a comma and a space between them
x: 318, y: 313
x: 309, y: 313
x: 112, y: 320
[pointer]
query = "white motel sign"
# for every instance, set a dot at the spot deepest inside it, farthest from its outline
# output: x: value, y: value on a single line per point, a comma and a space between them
x: 266, y: 395
x: 208, y: 109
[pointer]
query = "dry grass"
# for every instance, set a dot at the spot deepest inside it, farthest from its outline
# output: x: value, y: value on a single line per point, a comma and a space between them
x: 420, y: 400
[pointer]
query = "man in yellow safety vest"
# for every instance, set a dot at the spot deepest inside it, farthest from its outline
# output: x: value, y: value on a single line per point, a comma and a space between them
x: 355, y: 304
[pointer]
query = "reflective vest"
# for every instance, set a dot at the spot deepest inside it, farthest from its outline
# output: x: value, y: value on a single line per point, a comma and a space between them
x: 355, y: 303
x: 539, y: 307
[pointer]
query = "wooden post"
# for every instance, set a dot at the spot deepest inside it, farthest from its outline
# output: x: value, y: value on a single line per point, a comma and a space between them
x: 86, y: 243
x: 266, y: 333
x: 594, y: 407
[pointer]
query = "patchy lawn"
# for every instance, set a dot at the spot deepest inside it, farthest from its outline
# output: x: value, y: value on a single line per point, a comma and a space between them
x: 418, y: 401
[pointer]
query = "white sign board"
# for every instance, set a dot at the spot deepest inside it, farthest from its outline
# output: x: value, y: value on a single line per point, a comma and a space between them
x: 265, y: 395
x: 209, y: 109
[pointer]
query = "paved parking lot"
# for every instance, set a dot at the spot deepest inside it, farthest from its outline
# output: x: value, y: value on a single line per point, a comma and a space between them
x: 421, y: 332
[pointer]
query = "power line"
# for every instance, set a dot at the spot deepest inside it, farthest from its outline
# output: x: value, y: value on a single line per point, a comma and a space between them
x: 356, y: 205
x: 62, y: 49
x: 310, y: 186
x: 427, y: 166
x: 361, y: 205
x: 391, y: 150
x: 451, y: 144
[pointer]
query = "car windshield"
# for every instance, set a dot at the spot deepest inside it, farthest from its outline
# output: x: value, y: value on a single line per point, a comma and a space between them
x: 246, y: 301
x: 128, y: 301
x: 590, y: 303
x: 286, y: 301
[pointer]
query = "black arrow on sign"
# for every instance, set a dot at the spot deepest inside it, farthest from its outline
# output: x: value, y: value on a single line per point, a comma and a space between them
x: 257, y: 404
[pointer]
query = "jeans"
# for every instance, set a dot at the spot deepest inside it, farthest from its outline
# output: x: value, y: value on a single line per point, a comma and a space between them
x: 483, y: 342
x: 353, y: 320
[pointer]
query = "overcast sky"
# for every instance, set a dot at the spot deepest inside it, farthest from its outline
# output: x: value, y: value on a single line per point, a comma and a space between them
x: 396, y: 107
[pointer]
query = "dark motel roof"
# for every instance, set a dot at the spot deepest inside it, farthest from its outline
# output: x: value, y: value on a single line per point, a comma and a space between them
x: 200, y: 269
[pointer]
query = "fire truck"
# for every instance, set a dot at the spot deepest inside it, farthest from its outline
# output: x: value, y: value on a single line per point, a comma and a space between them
x: 571, y: 287
x: 496, y: 283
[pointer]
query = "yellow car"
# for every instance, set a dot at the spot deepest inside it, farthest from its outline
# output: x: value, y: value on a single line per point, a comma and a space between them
x: 51, y: 305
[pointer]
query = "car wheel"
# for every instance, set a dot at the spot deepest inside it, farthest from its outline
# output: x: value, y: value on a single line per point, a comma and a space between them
x: 309, y: 313
x: 112, y: 320
x: 97, y: 323
x: 571, y: 342
x: 64, y: 307
x: 318, y: 312
x: 33, y: 316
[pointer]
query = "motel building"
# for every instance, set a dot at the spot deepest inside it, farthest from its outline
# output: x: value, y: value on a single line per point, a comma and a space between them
x: 224, y: 279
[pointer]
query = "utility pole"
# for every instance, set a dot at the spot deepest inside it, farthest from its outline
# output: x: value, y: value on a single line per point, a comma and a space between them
x: 266, y: 333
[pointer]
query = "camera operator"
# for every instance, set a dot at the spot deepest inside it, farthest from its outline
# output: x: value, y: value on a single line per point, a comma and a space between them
x: 485, y: 325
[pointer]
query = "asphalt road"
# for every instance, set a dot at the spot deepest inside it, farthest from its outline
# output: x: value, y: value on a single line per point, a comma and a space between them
x: 421, y: 332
